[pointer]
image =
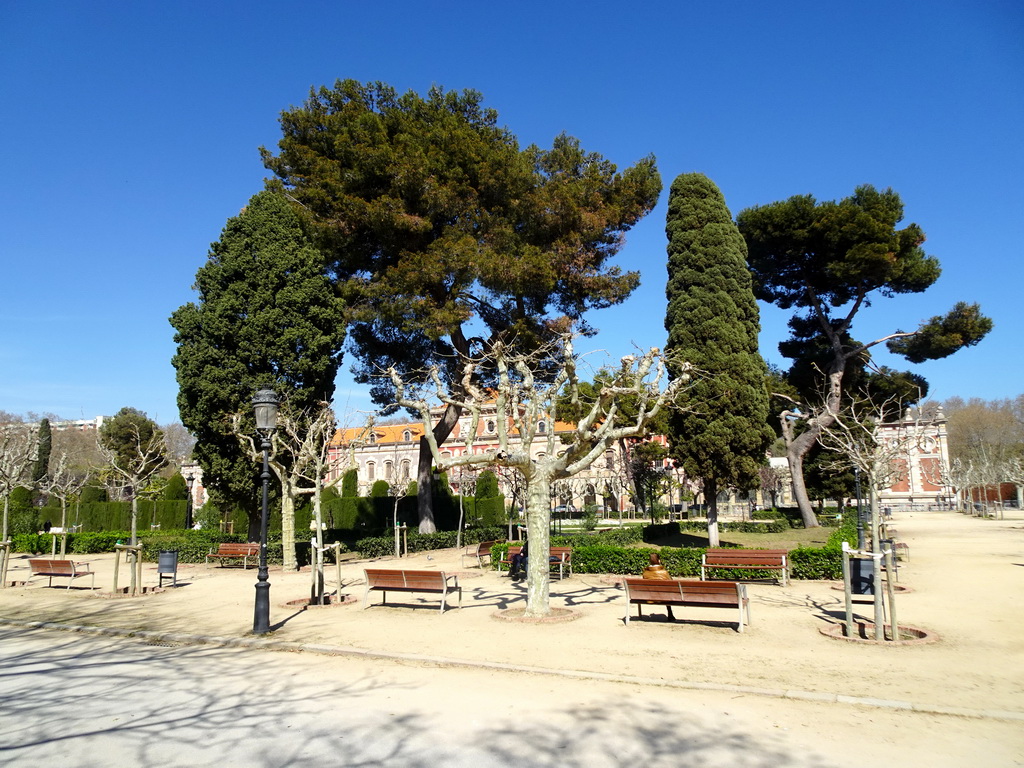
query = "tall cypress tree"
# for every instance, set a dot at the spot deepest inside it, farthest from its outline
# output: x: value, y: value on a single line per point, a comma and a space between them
x: 42, y: 464
x: 267, y: 316
x: 721, y: 434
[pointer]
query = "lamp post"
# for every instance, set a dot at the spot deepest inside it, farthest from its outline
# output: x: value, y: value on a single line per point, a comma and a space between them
x: 265, y: 406
x: 189, y: 480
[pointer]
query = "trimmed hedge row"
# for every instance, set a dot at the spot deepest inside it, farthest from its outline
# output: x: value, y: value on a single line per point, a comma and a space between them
x: 382, y: 546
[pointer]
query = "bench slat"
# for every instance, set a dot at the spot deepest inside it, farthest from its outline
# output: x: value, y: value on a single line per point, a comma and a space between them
x: 747, y: 559
x: 687, y: 593
x: 50, y: 568
x: 385, y: 580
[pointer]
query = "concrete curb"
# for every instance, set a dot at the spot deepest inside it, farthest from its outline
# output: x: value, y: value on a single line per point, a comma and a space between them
x: 259, y: 643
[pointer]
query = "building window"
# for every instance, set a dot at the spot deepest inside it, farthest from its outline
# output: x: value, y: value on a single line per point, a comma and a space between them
x: 371, y: 471
x: 406, y: 468
x: 490, y: 427
x: 407, y: 436
x: 542, y: 427
x: 388, y: 469
x: 373, y: 438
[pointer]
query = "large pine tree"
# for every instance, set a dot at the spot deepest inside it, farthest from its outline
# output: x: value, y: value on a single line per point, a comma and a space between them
x: 267, y: 316
x: 721, y: 434
x: 447, y: 236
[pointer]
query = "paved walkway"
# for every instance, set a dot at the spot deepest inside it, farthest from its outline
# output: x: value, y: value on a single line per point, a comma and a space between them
x: 974, y: 670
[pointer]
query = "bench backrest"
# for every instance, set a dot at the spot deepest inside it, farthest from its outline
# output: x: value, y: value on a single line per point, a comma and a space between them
x: 724, y: 592
x: 484, y: 548
x: 398, y: 579
x: 44, y: 566
x: 745, y: 556
x: 231, y: 548
x: 562, y: 553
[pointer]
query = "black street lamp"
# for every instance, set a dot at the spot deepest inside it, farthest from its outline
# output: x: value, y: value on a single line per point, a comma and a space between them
x: 189, y: 480
x: 265, y: 405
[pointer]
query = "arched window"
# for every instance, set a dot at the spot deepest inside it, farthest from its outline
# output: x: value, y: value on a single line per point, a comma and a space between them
x: 371, y: 471
x: 388, y: 469
x: 542, y: 427
x: 406, y: 468
x: 407, y: 436
x: 490, y: 427
x: 373, y: 438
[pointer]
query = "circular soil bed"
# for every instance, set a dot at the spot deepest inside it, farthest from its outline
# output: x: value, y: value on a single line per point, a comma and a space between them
x: 331, y: 601
x: 557, y: 616
x: 864, y: 632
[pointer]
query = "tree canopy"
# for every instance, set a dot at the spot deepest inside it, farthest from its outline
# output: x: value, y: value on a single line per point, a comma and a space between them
x: 267, y: 316
x: 445, y: 235
x: 827, y: 261
x: 713, y: 323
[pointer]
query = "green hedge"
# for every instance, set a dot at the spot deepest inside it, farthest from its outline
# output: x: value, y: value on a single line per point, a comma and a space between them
x: 383, y: 546
x: 192, y: 546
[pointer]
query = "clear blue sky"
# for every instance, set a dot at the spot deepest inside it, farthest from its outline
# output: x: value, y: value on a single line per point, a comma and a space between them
x: 130, y: 135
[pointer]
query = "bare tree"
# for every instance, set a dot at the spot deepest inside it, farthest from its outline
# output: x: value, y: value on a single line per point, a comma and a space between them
x: 134, y: 461
x: 522, y: 397
x: 773, y: 481
x: 880, y: 455
x: 19, y: 445
x: 64, y: 481
x: 300, y: 459
x: 179, y: 443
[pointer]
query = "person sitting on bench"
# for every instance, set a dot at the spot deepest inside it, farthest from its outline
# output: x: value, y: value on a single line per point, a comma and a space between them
x: 517, y: 571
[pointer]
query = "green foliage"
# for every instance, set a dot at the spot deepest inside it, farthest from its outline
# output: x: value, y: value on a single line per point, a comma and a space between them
x: 116, y: 515
x: 941, y: 336
x: 486, y: 485
x: 136, y: 444
x: 777, y: 525
x: 713, y: 323
x: 384, y: 546
x: 816, y: 563
x: 93, y: 493
x: 380, y: 489
x: 842, y: 250
x: 42, y: 463
x: 25, y: 516
x: 176, y: 488
x: 453, y: 221
x: 267, y: 316
x: 350, y: 484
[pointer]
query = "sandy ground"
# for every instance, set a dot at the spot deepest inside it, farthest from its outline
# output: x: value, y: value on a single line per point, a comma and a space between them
x: 964, y: 578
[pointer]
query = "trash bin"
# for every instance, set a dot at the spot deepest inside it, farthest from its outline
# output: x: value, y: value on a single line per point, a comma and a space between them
x: 862, y: 576
x: 167, y: 566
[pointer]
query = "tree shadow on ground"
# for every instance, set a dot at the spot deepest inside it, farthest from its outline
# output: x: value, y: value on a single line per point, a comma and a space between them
x: 98, y: 701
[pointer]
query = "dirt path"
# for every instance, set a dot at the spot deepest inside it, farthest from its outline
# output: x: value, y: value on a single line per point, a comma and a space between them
x: 965, y: 578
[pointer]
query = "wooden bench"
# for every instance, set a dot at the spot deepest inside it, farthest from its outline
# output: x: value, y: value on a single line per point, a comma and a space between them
x: 69, y: 568
x: 385, y: 580
x: 559, y: 558
x: 228, y: 550
x: 687, y: 593
x: 747, y: 559
x: 479, y: 552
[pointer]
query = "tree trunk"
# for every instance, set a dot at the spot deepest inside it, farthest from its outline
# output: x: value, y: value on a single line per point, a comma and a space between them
x: 795, y: 458
x: 538, y: 521
x: 253, y: 532
x: 424, y: 481
x: 289, y: 560
x: 711, y: 496
x: 316, y: 555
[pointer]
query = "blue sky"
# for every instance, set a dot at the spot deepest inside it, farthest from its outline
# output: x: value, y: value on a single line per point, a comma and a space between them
x: 130, y: 134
